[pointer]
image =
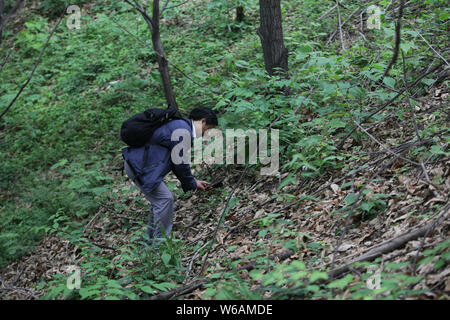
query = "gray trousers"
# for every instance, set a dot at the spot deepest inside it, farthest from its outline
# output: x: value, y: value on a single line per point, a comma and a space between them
x: 160, y: 216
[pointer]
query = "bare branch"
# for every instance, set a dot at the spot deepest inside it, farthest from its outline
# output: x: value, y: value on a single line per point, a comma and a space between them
x: 34, y: 68
x: 384, y: 147
x: 6, y: 58
x: 340, y: 25
x: 148, y: 45
x: 390, y: 245
x: 144, y: 14
x: 397, y: 38
x: 327, y: 12
x: 164, y: 7
x: 384, y: 105
x: 163, y: 64
x: 174, y: 6
x: 430, y: 46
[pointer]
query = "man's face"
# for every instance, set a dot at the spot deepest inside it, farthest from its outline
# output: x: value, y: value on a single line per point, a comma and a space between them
x: 206, y: 127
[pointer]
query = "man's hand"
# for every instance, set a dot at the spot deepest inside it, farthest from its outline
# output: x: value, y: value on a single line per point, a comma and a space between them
x: 203, y: 185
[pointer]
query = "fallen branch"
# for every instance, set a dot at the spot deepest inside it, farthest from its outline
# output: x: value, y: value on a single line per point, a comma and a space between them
x: 386, y: 247
x: 195, y: 256
x: 90, y: 222
x: 7, y: 287
x: 281, y: 257
x: 179, y: 291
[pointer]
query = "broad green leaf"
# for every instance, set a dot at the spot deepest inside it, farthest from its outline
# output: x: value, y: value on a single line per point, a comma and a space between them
x: 316, y: 275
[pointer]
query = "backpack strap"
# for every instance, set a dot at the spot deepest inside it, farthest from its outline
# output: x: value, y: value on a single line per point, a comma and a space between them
x: 187, y: 121
x: 144, y: 160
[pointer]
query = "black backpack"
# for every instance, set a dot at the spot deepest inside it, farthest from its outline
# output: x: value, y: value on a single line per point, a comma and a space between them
x: 138, y: 130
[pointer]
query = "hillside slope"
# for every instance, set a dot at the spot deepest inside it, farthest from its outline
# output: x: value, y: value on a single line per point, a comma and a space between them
x: 364, y: 156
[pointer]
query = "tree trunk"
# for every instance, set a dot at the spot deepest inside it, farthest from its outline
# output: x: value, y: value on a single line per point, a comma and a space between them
x: 240, y: 14
x: 271, y: 34
x: 163, y: 63
x: 163, y: 66
x: 2, y: 7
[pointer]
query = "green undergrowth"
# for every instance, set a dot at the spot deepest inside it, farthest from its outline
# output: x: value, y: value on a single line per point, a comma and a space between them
x: 60, y: 149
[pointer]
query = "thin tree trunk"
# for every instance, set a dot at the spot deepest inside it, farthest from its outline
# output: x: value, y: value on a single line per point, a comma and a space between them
x: 2, y: 8
x: 163, y: 64
x: 398, y: 25
x: 240, y: 14
x: 271, y: 34
x: 388, y: 246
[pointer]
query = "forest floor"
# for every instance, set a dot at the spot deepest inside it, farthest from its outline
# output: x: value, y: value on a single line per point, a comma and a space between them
x: 268, y: 223
x: 316, y: 221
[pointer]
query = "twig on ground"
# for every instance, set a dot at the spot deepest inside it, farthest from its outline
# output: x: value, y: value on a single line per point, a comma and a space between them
x: 222, y: 217
x: 179, y: 291
x: 429, y: 45
x: 196, y: 253
x: 385, y: 247
x: 89, y: 223
x: 384, y: 147
x: 416, y: 128
x: 7, y: 287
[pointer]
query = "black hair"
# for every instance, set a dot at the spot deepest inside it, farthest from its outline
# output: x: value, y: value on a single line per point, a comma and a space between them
x: 207, y: 113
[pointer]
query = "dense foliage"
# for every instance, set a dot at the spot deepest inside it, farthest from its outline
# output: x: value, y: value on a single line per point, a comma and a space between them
x: 60, y: 151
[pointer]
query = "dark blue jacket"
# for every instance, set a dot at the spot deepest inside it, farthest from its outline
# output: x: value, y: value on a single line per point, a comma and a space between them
x: 159, y: 162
